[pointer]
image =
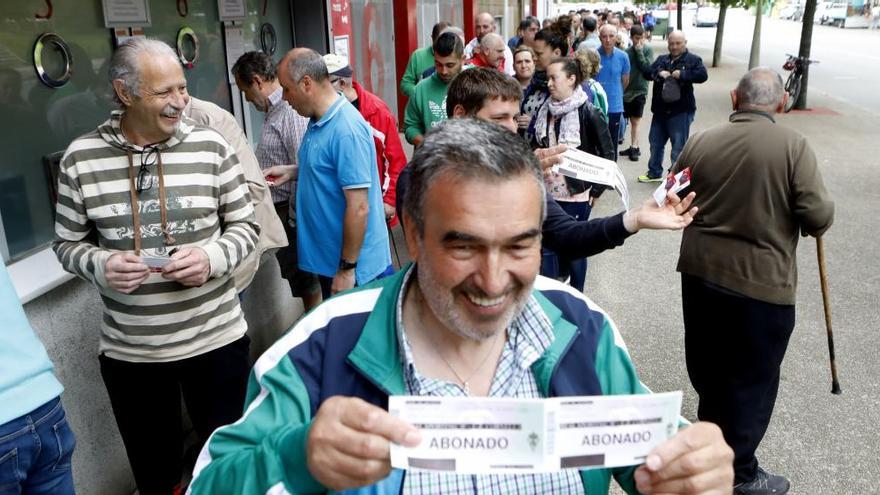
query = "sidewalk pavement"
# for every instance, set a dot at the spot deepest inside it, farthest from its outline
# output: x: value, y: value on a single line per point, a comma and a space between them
x: 825, y: 444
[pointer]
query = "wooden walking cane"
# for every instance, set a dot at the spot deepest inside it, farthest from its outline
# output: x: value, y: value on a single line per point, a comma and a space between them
x: 823, y: 278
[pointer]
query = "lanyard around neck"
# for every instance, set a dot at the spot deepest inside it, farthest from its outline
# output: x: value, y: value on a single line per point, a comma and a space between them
x: 135, y: 204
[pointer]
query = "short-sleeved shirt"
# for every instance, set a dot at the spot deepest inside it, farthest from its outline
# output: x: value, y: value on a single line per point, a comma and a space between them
x: 614, y: 67
x: 337, y: 153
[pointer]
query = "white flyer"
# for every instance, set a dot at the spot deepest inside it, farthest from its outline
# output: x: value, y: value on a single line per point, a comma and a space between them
x: 584, y: 166
x: 478, y: 435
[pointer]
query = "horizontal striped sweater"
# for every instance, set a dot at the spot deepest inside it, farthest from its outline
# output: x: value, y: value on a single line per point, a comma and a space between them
x: 208, y: 206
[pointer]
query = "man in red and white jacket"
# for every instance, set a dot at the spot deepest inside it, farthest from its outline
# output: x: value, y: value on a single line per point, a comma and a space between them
x: 389, y: 151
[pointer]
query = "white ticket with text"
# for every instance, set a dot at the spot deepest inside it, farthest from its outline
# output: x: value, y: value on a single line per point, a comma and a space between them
x: 478, y: 435
x: 584, y: 166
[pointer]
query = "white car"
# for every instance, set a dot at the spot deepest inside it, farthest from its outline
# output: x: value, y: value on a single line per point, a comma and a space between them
x: 706, y: 16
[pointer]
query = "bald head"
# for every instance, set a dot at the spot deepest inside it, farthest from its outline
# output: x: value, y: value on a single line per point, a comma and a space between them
x: 484, y: 24
x: 492, y: 47
x: 676, y: 43
x: 492, y: 40
x: 759, y: 89
x: 301, y: 62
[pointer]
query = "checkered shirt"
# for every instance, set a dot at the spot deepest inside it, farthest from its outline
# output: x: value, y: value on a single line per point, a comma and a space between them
x: 282, y: 134
x: 528, y: 337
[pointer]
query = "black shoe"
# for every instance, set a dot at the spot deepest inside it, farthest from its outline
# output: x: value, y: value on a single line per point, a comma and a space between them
x: 634, y: 154
x: 763, y: 484
x: 627, y: 151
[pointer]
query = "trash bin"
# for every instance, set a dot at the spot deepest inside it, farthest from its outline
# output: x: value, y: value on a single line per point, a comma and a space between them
x: 662, y: 27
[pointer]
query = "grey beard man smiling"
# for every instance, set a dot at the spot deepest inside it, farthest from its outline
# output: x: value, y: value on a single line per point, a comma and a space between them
x: 471, y: 317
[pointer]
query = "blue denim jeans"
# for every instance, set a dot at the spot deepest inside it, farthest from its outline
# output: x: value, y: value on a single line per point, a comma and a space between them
x: 674, y: 128
x: 35, y: 453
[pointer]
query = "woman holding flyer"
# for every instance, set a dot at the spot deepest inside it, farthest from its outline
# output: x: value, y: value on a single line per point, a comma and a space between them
x: 568, y: 117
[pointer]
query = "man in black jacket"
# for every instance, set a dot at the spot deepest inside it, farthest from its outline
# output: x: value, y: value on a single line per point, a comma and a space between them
x: 490, y: 95
x: 672, y: 103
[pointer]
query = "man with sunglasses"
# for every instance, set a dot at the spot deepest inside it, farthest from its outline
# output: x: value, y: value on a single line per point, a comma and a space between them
x: 155, y: 212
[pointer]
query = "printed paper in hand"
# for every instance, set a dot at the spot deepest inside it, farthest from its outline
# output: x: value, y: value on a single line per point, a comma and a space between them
x: 155, y: 263
x: 476, y: 435
x: 584, y: 166
x: 672, y: 183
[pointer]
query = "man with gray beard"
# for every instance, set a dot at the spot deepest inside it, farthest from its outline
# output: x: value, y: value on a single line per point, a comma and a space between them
x: 155, y: 212
x: 471, y: 317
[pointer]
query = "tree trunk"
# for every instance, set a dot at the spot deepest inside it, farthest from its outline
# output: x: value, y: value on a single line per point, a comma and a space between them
x: 680, y: 4
x: 804, y: 50
x: 755, y: 54
x: 719, y: 34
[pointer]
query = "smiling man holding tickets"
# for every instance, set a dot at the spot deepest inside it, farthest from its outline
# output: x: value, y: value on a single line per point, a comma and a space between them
x: 470, y: 317
x: 150, y: 183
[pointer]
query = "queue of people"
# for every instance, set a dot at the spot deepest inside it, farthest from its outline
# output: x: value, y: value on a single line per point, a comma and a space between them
x: 164, y: 208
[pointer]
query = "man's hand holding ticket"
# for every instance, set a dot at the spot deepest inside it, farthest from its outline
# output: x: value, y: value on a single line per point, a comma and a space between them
x: 504, y: 435
x: 580, y: 165
x: 674, y: 183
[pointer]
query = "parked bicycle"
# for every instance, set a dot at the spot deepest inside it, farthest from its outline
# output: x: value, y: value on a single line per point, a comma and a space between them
x: 797, y: 66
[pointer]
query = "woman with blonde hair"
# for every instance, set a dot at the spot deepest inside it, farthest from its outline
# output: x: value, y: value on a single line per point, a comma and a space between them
x: 600, y: 99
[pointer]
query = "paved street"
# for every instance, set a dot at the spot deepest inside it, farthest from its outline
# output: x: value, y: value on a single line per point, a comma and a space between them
x: 848, y: 58
x: 825, y: 444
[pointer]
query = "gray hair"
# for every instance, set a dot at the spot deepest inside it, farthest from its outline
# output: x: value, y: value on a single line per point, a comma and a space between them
x: 470, y: 149
x: 760, y: 87
x: 125, y: 65
x: 454, y: 30
x: 307, y: 62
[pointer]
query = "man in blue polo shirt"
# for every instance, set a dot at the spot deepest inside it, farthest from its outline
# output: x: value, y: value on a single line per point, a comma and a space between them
x: 341, y: 233
x: 614, y: 78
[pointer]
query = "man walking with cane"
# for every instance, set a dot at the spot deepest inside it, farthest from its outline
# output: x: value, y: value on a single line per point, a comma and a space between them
x: 760, y: 188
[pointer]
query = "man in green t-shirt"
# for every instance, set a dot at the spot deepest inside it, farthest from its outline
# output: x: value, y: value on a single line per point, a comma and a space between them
x: 641, y: 56
x: 427, y: 106
x: 420, y: 61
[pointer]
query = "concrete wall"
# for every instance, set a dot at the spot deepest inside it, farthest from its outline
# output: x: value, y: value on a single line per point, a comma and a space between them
x: 67, y: 320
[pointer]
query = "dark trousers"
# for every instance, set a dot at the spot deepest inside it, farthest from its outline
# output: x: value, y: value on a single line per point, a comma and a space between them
x: 146, y: 402
x: 734, y: 346
x: 327, y: 282
x: 614, y: 129
x: 558, y: 267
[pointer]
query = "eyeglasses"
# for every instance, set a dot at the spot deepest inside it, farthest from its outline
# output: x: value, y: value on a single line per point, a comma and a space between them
x: 144, y: 177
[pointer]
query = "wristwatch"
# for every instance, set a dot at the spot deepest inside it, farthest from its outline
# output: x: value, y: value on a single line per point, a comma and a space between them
x: 347, y: 265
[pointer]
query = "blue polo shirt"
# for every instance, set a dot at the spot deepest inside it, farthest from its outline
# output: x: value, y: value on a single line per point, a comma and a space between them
x: 614, y: 67
x: 337, y: 153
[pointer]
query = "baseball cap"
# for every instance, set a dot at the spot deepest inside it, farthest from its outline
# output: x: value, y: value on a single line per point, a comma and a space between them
x: 337, y: 65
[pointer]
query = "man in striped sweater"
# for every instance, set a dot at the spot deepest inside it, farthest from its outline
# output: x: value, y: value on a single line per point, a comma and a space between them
x: 155, y: 212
